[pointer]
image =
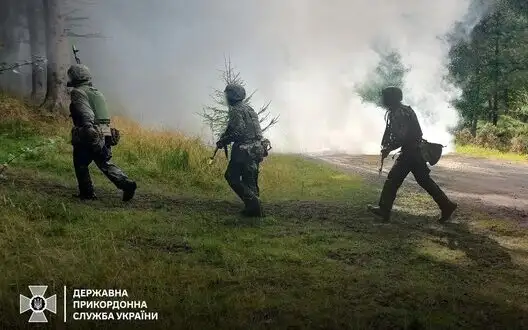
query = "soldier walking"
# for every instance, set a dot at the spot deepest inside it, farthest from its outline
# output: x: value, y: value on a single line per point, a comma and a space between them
x: 244, y: 131
x: 403, y: 130
x: 92, y: 137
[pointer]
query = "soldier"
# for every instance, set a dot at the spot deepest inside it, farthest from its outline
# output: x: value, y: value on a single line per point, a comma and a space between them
x: 403, y: 130
x: 91, y: 135
x: 247, y: 153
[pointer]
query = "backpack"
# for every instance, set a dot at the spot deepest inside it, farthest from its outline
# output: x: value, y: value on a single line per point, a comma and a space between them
x: 431, y: 152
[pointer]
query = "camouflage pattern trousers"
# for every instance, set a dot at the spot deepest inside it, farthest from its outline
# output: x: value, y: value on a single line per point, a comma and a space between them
x: 242, y: 177
x: 83, y: 157
x: 411, y: 162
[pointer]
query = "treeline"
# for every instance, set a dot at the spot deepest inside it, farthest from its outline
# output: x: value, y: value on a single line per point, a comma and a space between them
x: 34, y: 48
x: 491, y: 66
x: 489, y: 63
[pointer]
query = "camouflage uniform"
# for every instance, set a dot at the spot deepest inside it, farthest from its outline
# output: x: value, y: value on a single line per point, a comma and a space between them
x: 243, y: 129
x: 403, y: 130
x: 91, y: 135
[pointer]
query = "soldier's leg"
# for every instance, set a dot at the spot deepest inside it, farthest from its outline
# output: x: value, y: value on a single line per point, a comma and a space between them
x: 81, y: 160
x: 115, y: 174
x: 233, y: 176
x: 422, y: 174
x: 257, y: 188
x: 249, y: 180
x: 395, y: 178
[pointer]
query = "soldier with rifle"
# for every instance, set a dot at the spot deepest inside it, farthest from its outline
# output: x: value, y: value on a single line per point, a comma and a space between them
x: 92, y: 136
x: 403, y: 130
x: 248, y: 151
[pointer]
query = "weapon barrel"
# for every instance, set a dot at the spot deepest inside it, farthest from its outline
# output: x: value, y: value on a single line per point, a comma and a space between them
x: 214, y: 153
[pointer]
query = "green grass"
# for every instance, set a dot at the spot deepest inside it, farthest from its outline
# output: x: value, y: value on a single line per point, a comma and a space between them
x: 476, y: 151
x: 318, y: 261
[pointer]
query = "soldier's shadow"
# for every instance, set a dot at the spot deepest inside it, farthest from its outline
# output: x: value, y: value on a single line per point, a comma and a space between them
x: 478, y: 247
x: 456, y: 235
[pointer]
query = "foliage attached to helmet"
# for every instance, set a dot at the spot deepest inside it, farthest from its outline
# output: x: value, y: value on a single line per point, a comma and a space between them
x: 234, y: 93
x: 78, y: 74
x: 391, y: 96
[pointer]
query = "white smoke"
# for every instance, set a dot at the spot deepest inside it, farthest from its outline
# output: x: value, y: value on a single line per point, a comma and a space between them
x: 333, y: 51
x: 306, y: 56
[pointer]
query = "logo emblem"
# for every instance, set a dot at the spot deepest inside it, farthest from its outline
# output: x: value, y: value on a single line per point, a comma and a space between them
x: 38, y: 304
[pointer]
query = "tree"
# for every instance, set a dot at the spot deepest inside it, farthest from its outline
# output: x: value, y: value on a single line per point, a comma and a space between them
x: 389, y: 72
x: 36, y: 39
x: 58, y: 55
x: 11, y: 36
x: 216, y: 116
x: 491, y: 66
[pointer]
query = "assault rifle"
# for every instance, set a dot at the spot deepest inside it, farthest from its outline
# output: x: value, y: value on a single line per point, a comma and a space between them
x: 214, y: 154
x: 75, y: 51
x: 381, y: 165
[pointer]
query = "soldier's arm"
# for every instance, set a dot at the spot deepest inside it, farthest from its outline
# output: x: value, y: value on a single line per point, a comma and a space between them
x: 235, y: 127
x: 80, y: 108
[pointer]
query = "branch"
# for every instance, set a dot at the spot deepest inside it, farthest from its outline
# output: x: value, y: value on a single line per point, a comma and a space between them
x: 87, y: 35
x: 273, y: 122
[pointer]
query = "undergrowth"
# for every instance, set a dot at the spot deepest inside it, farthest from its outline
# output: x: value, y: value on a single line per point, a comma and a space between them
x: 318, y: 261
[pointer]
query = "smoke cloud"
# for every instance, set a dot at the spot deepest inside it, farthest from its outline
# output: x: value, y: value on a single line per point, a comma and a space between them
x: 161, y: 59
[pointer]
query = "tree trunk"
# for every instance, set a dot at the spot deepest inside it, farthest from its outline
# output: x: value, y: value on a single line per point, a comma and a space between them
x: 490, y: 109
x: 475, y: 115
x: 496, y: 76
x: 506, y: 101
x: 495, y: 113
x: 57, y: 53
x: 33, y: 20
x: 474, y: 122
x: 10, y: 44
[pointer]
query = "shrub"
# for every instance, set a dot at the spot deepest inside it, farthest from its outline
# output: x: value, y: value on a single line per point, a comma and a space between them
x: 464, y: 137
x: 489, y: 136
x: 519, y: 144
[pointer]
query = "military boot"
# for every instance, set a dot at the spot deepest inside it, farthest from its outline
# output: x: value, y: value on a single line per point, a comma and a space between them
x: 448, y: 211
x: 129, y: 191
x: 379, y: 212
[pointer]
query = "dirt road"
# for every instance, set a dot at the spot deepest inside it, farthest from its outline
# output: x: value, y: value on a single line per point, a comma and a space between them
x: 482, y: 183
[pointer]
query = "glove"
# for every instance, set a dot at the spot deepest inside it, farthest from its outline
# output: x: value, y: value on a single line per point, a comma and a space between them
x: 220, y: 144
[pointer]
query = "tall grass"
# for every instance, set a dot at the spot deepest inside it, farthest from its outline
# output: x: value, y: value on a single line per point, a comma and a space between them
x: 316, y: 262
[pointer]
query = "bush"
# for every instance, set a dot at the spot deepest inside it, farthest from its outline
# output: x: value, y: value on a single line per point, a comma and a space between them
x: 464, y: 137
x: 489, y: 136
x: 519, y: 144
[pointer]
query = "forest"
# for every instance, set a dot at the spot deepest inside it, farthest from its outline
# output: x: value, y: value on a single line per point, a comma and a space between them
x: 491, y: 68
x: 489, y: 64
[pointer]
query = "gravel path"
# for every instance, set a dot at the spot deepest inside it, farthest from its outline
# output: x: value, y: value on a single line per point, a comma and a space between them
x: 491, y: 185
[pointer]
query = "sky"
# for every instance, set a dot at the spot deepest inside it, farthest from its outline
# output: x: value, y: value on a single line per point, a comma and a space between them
x: 160, y: 61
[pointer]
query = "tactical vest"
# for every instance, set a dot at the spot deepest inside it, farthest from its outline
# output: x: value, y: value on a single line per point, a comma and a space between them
x: 97, y: 103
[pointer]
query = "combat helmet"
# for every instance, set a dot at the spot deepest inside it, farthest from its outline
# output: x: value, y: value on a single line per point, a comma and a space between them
x: 235, y: 93
x: 79, y: 73
x: 391, y: 95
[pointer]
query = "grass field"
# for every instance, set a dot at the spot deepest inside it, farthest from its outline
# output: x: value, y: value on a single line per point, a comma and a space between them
x: 476, y: 151
x: 318, y: 261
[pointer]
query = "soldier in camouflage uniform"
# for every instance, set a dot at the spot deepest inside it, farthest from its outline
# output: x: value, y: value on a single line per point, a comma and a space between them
x: 91, y: 135
x: 243, y: 129
x: 403, y: 130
